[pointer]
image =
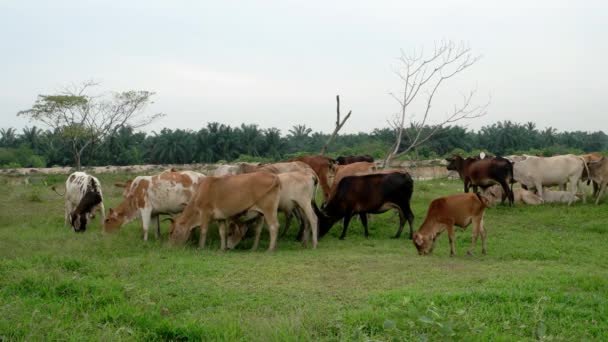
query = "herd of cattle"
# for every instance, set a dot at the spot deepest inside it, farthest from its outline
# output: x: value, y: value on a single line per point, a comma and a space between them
x: 248, y: 195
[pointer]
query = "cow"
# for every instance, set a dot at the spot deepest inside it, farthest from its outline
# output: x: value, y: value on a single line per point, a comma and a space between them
x: 598, y: 173
x: 323, y: 166
x: 484, y: 172
x: 553, y: 196
x: 445, y: 213
x: 538, y: 172
x: 344, y: 160
x: 226, y: 169
x: 358, y: 168
x: 374, y: 194
x: 228, y: 198
x: 150, y: 196
x: 589, y: 158
x: 297, y: 194
x: 83, y: 197
x: 494, y: 194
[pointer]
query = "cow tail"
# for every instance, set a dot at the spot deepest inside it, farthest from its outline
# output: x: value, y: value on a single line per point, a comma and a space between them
x: 511, y: 175
x: 57, y: 192
x: 586, y: 169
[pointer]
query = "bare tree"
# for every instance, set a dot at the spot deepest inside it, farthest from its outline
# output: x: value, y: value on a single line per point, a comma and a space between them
x: 339, y: 125
x: 422, y: 76
x: 83, y: 119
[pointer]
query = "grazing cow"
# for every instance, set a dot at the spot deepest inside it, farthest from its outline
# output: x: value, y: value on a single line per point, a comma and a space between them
x: 588, y: 158
x: 483, y: 172
x: 82, y: 197
x: 373, y: 194
x: 297, y: 194
x: 552, y: 196
x: 494, y: 194
x: 323, y: 166
x: 445, y: 213
x: 538, y: 172
x: 358, y: 168
x: 228, y: 198
x: 353, y: 159
x: 598, y: 173
x: 150, y: 196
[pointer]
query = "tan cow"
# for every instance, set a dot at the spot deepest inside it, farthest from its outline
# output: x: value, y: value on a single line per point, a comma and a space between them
x: 297, y: 193
x: 598, y: 173
x: 358, y: 168
x: 227, y: 198
x: 556, y: 196
x: 495, y: 194
x: 149, y: 196
x: 537, y: 172
x: 446, y: 212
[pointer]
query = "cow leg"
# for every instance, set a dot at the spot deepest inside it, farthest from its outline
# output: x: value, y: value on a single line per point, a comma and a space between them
x: 476, y: 225
x: 450, y: 229
x: 288, y: 217
x: 222, y: 230
x: 483, y: 236
x: 363, y: 218
x: 145, y: 220
x: 311, y: 223
x: 596, y: 188
x: 506, y: 190
x: 346, y: 222
x: 600, y: 193
x: 573, y: 190
x: 273, y: 229
x: 103, y: 212
x: 258, y: 233
x: 466, y: 185
x: 157, y: 233
x: 202, y: 239
x: 68, y: 211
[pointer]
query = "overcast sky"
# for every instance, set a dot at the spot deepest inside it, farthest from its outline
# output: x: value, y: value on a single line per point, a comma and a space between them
x: 281, y: 63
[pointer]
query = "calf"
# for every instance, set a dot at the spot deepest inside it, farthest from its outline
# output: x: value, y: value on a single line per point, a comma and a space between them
x: 82, y: 197
x: 494, y: 194
x: 296, y: 194
x: 445, y: 213
x: 150, y: 196
x: 484, y: 173
x: 227, y: 198
x: 344, y: 160
x: 374, y: 194
x: 551, y: 196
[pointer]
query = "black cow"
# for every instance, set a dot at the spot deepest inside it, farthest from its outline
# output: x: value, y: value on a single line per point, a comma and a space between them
x: 484, y: 173
x: 373, y: 194
x: 343, y: 160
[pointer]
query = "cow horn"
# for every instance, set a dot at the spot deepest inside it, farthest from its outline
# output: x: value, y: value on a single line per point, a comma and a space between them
x: 170, y: 218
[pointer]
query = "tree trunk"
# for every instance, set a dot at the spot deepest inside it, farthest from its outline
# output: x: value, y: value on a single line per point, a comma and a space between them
x: 77, y: 160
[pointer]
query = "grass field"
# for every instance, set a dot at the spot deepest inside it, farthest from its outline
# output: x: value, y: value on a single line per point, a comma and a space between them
x: 545, y: 277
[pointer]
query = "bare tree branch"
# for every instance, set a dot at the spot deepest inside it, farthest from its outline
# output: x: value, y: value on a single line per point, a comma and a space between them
x: 422, y: 79
x: 339, y: 125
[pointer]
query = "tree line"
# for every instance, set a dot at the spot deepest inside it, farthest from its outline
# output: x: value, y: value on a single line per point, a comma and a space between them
x: 34, y: 147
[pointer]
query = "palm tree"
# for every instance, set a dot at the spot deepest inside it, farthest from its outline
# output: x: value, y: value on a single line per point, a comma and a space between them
x: 8, y: 138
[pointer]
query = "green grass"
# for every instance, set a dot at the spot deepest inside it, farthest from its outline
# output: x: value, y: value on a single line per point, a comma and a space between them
x: 545, y: 277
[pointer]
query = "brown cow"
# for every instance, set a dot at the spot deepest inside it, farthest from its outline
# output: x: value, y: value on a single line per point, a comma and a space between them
x: 323, y: 166
x: 598, y: 173
x: 589, y: 158
x: 229, y: 197
x: 444, y: 213
x: 484, y: 173
x: 344, y: 160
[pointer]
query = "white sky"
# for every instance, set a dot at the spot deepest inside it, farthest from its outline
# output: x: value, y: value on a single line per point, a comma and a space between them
x: 281, y: 63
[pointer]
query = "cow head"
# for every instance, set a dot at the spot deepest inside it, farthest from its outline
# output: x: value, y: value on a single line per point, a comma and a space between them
x: 424, y: 243
x: 114, y: 220
x: 78, y: 221
x: 236, y: 233
x: 179, y: 231
x: 454, y: 162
